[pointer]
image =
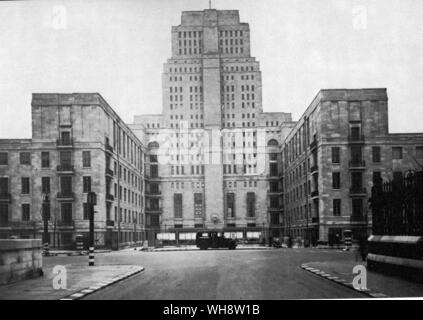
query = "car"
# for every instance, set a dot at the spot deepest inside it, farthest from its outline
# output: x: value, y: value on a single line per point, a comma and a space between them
x: 214, y: 239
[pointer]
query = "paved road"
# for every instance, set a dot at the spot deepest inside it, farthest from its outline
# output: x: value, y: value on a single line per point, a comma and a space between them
x: 223, y: 274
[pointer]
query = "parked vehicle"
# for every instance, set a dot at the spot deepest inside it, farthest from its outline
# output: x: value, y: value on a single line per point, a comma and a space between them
x: 214, y: 239
x: 276, y: 243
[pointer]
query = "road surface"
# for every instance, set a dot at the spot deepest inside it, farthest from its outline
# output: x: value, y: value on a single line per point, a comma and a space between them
x: 223, y: 274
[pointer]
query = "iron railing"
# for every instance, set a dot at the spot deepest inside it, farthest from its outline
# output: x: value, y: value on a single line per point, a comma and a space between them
x: 397, y: 206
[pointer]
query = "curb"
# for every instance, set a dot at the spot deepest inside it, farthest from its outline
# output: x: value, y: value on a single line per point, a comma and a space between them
x: 342, y: 282
x: 101, y: 285
x: 196, y: 249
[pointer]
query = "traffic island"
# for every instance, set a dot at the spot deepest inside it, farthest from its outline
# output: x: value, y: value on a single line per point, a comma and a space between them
x: 378, y: 285
x: 68, y: 282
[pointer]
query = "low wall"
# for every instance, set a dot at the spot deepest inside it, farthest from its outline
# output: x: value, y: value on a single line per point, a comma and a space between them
x: 20, y: 259
x: 401, y: 255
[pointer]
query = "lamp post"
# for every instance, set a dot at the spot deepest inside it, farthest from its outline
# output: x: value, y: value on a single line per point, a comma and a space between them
x: 92, y: 201
x: 46, y: 238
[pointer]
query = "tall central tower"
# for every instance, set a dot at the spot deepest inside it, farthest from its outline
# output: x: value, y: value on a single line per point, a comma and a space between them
x: 209, y: 82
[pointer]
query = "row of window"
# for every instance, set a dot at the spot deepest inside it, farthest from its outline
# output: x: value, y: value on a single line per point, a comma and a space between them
x: 65, y: 158
x: 231, y: 33
x: 180, y: 170
x: 244, y: 124
x: 247, y: 184
x: 185, y: 69
x: 66, y: 213
x: 190, y: 34
x: 232, y: 50
x: 231, y: 42
x: 181, y: 185
x: 127, y: 147
x: 238, y: 68
x: 357, y: 213
x: 182, y: 78
x: 242, y: 77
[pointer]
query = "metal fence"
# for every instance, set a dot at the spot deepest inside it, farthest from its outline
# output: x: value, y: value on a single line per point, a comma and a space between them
x: 397, y: 206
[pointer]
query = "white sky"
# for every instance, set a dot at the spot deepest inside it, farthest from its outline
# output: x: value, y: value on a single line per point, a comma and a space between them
x: 118, y: 48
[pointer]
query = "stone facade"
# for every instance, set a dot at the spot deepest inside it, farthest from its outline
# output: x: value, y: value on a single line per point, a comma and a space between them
x: 212, y: 136
x: 331, y: 158
x: 79, y: 144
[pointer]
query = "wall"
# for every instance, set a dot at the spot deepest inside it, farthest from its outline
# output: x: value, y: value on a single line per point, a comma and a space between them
x: 20, y: 259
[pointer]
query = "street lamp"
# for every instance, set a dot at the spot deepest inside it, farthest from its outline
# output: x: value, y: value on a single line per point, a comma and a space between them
x: 46, y: 238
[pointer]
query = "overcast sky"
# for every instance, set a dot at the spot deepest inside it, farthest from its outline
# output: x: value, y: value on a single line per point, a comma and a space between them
x: 118, y: 48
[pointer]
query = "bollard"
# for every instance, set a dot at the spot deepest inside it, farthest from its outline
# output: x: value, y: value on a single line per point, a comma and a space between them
x: 80, y: 246
x: 91, y: 257
x: 347, y: 243
x: 46, y: 249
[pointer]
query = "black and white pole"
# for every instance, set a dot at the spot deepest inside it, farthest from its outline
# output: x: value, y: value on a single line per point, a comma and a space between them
x: 348, y: 242
x: 91, y: 257
x: 91, y: 200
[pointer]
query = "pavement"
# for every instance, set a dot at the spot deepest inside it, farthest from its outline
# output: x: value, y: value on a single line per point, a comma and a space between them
x: 379, y: 285
x: 79, y: 281
x: 193, y: 247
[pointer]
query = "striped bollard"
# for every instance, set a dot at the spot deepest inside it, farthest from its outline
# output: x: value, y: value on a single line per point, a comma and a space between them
x: 347, y: 243
x: 91, y: 257
x: 80, y: 246
x: 46, y: 249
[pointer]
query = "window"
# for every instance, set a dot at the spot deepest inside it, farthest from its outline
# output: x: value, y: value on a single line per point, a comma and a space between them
x: 177, y: 201
x: 230, y: 205
x: 336, y: 180
x: 66, y: 211
x: 419, y: 153
x: 25, y: 185
x: 153, y: 158
x: 66, y: 185
x: 86, y: 181
x: 198, y: 204
x: 45, y: 184
x: 251, y: 204
x: 376, y: 154
x: 4, y: 186
x: 336, y: 207
x: 154, y: 171
x: 65, y: 159
x: 396, y: 152
x: 355, y: 133
x: 3, y: 159
x: 45, y: 159
x: 357, y: 209
x: 86, y: 159
x: 274, y: 202
x: 274, y: 186
x: 273, y: 169
x: 25, y: 212
x: 25, y: 158
x: 357, y: 180
x: 274, y: 218
x: 356, y: 155
x: 65, y: 138
x: 335, y: 155
x: 4, y: 214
